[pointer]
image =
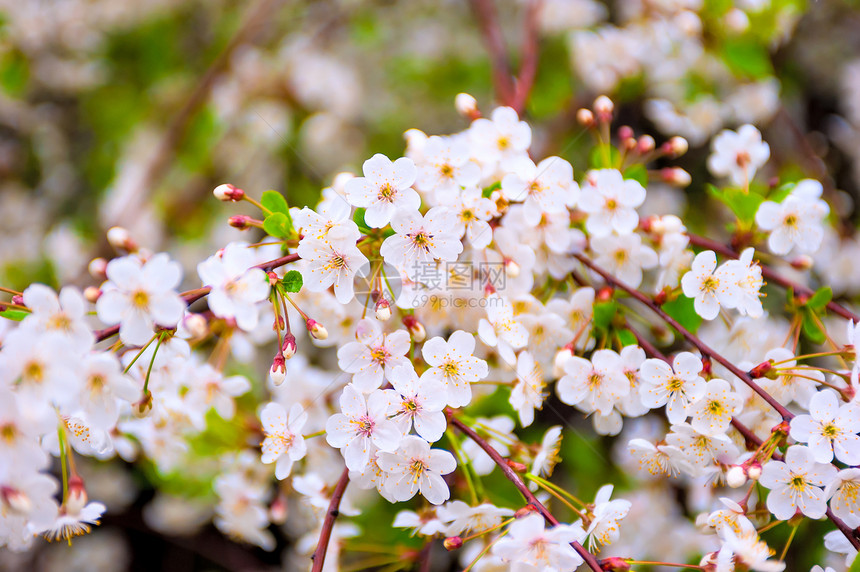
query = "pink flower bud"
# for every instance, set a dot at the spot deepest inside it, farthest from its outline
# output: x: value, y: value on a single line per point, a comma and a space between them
x: 278, y: 510
x: 120, y: 239
x: 452, y: 543
x: 603, y: 107
x: 754, y: 471
x: 383, y: 310
x: 736, y: 476
x: 92, y: 294
x: 98, y: 268
x: 242, y: 222
x: 416, y: 328
x: 77, y: 499
x: 645, y: 144
x: 278, y: 371
x: 228, y: 192
x: 676, y: 176
x: 585, y: 117
x: 15, y: 499
x: 317, y: 330
x: 289, y: 347
x: 196, y: 325
x: 467, y: 106
x: 676, y: 146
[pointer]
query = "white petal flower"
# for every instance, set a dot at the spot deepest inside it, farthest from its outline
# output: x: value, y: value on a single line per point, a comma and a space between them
x: 416, y: 467
x: 675, y: 386
x: 284, y: 444
x: 237, y: 286
x: 738, y: 155
x: 795, y: 484
x: 610, y: 201
x: 453, y: 364
x: 529, y: 542
x: 384, y: 189
x: 829, y: 429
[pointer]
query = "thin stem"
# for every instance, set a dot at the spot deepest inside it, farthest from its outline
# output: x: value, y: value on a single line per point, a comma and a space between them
x: 331, y: 514
x: 10, y: 291
x: 151, y: 363
x: 461, y: 462
x: 140, y: 353
x: 808, y: 356
x: 691, y: 338
x: 558, y: 489
x: 767, y: 527
x: 64, y: 462
x: 788, y: 542
x: 484, y: 551
x: 487, y: 530
x: 517, y: 481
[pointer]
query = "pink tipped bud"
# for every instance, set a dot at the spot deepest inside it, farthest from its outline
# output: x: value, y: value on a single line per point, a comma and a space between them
x: 288, y: 348
x: 625, y: 132
x: 802, y: 262
x: 761, y: 370
x: 676, y: 146
x: 242, y: 222
x: 512, y: 269
x: 416, y: 328
x: 317, y: 330
x: 16, y: 500
x: 278, y: 510
x: 645, y: 144
x: 754, y: 471
x: 603, y: 108
x: 467, y: 106
x: 560, y: 359
x: 518, y: 467
x: 92, y: 294
x: 77, y: 499
x: 120, y: 239
x: 228, y: 192
x: 736, y: 476
x: 585, y: 117
x: 196, y: 325
x: 383, y: 310
x: 98, y: 268
x: 278, y: 371
x: 452, y: 543
x: 676, y: 176
x: 18, y: 300
x: 614, y: 564
x: 525, y: 511
x: 736, y: 20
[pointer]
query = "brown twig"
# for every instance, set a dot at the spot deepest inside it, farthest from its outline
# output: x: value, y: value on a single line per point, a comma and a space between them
x: 770, y: 275
x: 512, y: 476
x: 691, y: 338
x: 331, y: 515
x: 485, y: 13
x: 528, y: 66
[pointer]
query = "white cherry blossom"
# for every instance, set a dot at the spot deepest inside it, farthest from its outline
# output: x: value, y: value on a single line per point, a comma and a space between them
x: 529, y: 542
x: 843, y: 493
x: 738, y: 155
x: 453, y: 364
x: 599, y: 383
x: 416, y: 467
x: 501, y: 330
x: 331, y: 262
x: 795, y: 484
x: 709, y: 286
x: 384, y: 189
x: 528, y: 391
x: 547, y: 187
x: 417, y: 403
x: 604, y: 529
x: 283, y: 444
x: 610, y: 201
x: 362, y: 427
x: 675, y: 386
x: 446, y: 167
x: 420, y: 240
x: 374, y: 355
x: 829, y: 429
x: 624, y: 256
x: 796, y: 222
x: 237, y: 286
x: 712, y: 412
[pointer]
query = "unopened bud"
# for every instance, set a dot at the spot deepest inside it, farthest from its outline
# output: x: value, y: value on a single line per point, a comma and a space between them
x: 501, y: 201
x: 603, y: 107
x: 119, y: 238
x: 662, y: 296
x: 98, y: 268
x: 278, y: 510
x: 676, y: 176
x: 764, y: 369
x: 16, y: 500
x: 676, y: 146
x: 512, y: 269
x: 278, y: 371
x: 242, y: 222
x: 736, y: 20
x: 736, y: 476
x: 467, y: 106
x: 585, y: 117
x: 625, y: 132
x: 560, y: 359
x: 646, y: 144
x: 92, y: 294
x: 228, y: 192
x: 518, y: 467
x: 416, y: 328
x: 288, y: 348
x: 196, y: 325
x: 77, y: 498
x: 317, y: 330
x: 802, y: 262
x: 754, y: 471
x: 604, y: 294
x: 452, y: 543
x: 614, y: 564
x: 525, y: 511
x: 383, y: 310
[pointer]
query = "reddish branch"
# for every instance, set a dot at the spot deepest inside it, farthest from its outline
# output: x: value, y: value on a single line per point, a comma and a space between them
x: 528, y: 66
x: 770, y: 275
x: 485, y: 13
x: 192, y: 296
x: 512, y: 476
x: 331, y: 515
x: 747, y: 433
x: 692, y: 339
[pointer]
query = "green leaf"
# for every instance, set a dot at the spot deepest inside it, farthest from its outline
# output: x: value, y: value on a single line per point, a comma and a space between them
x: 358, y: 218
x: 638, y: 173
x: 683, y: 310
x: 745, y: 57
x: 603, y: 314
x: 627, y: 338
x: 811, y: 329
x: 603, y: 156
x: 820, y: 299
x: 488, y: 191
x: 743, y: 205
x: 277, y: 225
x: 16, y: 315
x: 275, y: 202
x: 855, y: 566
x: 292, y: 281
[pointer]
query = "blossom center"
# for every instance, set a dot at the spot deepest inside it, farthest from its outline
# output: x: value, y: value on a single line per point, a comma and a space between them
x: 365, y: 426
x: 446, y: 171
x: 379, y: 355
x: 140, y: 299
x: 594, y: 379
x: 798, y: 483
x: 830, y: 431
x: 386, y: 192
x: 416, y: 469
x: 34, y: 371
x: 710, y: 284
x: 8, y: 432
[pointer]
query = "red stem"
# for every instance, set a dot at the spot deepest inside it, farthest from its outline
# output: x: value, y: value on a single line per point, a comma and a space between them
x: 528, y: 66
x: 485, y: 13
x: 770, y: 275
x: 521, y: 486
x: 331, y: 515
x: 692, y: 339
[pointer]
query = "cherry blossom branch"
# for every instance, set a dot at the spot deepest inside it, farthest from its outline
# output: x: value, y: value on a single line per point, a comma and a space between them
x: 747, y: 433
x: 331, y: 515
x: 770, y: 275
x: 528, y: 65
x: 512, y: 476
x: 690, y: 337
x: 485, y: 13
